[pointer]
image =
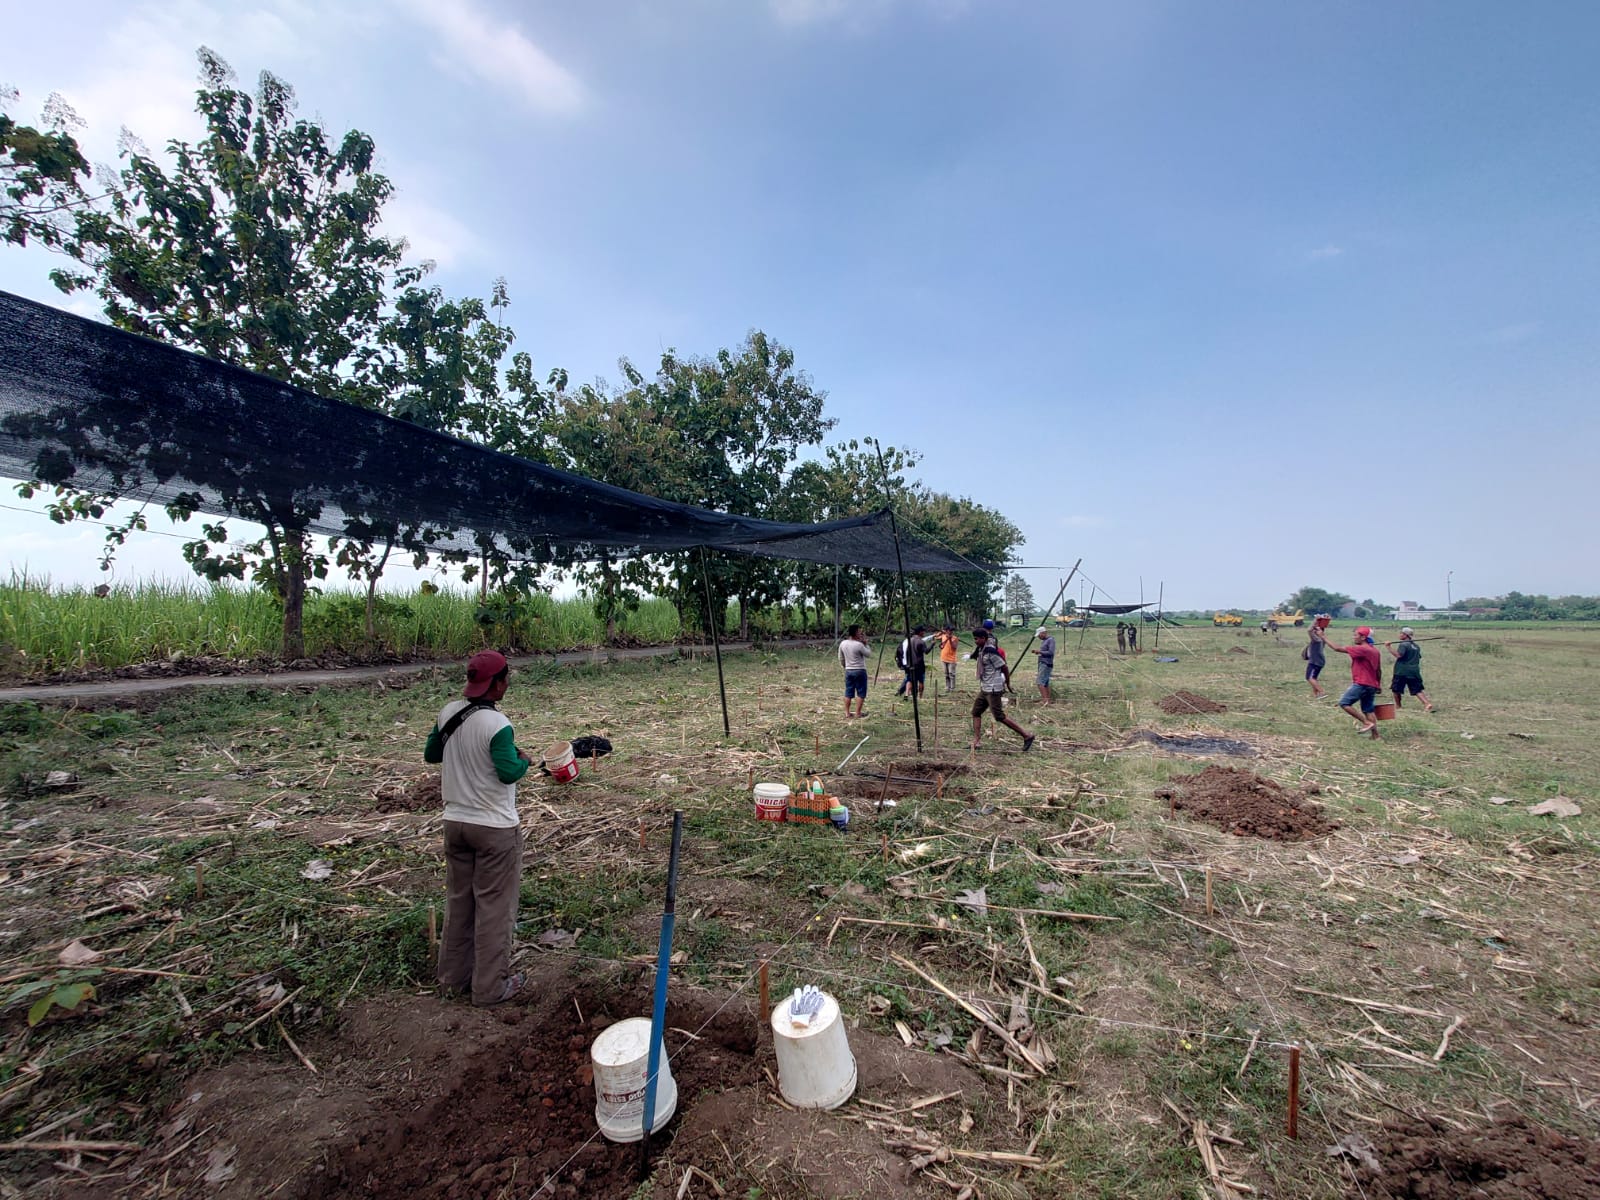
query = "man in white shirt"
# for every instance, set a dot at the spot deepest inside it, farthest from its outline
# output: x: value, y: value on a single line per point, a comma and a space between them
x: 853, y: 655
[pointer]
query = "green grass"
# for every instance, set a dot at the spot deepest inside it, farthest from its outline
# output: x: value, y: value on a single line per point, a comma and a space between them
x: 1167, y: 1005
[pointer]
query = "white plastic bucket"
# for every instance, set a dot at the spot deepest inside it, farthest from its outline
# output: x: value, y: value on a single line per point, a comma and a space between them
x: 621, y: 1057
x: 561, y: 763
x: 772, y: 801
x: 815, y: 1066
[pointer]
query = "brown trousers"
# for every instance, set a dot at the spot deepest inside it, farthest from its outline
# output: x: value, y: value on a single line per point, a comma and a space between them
x: 483, y: 873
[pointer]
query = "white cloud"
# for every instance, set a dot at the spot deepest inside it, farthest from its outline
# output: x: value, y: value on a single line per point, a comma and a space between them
x: 1322, y: 253
x: 497, y: 53
x: 430, y: 231
x: 1508, y: 334
x: 857, y: 14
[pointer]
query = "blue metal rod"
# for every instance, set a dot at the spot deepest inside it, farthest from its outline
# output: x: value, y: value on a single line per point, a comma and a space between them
x: 658, y: 1015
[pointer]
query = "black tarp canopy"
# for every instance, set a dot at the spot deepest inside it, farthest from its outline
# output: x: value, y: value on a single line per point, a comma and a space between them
x: 1113, y: 610
x: 85, y: 404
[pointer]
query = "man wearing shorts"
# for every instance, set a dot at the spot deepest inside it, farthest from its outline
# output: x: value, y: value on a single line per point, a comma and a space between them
x: 1366, y: 677
x: 1314, y: 654
x: 1407, y: 670
x: 853, y: 654
x: 993, y: 679
x: 1047, y: 664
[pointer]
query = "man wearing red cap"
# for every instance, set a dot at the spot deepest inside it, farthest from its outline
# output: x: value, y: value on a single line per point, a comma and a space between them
x: 482, y: 834
x: 1366, y: 677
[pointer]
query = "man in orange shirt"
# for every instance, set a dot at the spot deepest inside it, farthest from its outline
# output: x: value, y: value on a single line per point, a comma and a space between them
x: 947, y: 656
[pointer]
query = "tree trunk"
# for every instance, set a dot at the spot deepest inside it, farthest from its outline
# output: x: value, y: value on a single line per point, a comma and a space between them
x: 372, y: 596
x: 294, y: 594
x: 744, y: 617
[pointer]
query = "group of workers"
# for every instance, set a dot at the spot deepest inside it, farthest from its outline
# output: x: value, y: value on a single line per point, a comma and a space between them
x: 911, y: 657
x: 477, y: 748
x: 1366, y: 671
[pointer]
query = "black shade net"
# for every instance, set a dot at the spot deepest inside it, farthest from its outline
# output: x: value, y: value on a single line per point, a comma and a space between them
x: 1113, y: 610
x: 87, y: 405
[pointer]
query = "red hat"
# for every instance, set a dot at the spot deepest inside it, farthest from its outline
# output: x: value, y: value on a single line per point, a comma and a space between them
x: 1364, y: 632
x: 483, y: 668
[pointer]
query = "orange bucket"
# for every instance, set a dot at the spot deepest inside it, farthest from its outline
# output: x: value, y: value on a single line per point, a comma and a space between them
x: 1384, y: 712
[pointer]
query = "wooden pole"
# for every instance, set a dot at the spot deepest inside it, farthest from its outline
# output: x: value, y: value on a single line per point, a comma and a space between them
x: 816, y: 743
x: 1083, y: 630
x: 1210, y: 907
x: 1294, y: 1092
x: 766, y: 995
x: 885, y: 838
x: 905, y: 596
x: 1160, y: 596
x: 641, y: 834
x: 884, y: 795
x: 938, y: 791
x: 936, y: 720
x: 199, y: 881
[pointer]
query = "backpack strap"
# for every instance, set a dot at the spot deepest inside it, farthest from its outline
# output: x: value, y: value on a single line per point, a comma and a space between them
x: 454, y: 723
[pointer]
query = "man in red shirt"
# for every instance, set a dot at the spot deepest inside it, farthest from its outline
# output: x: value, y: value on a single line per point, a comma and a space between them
x: 1366, y: 677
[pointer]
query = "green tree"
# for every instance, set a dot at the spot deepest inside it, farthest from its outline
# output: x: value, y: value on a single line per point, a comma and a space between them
x: 1019, y: 596
x: 1315, y: 600
x: 257, y: 246
x: 42, y: 173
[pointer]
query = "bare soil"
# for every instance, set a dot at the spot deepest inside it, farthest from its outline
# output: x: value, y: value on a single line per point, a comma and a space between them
x: 422, y: 1097
x: 414, y: 796
x: 1508, y: 1160
x: 1189, y: 702
x: 1247, y: 805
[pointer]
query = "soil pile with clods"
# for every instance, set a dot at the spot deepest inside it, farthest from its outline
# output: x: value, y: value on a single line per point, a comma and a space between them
x: 1188, y: 702
x: 1508, y: 1160
x: 412, y: 796
x: 1246, y: 805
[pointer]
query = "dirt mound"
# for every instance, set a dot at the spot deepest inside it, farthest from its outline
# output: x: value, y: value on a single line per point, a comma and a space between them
x: 413, y: 796
x: 522, y: 1115
x: 1247, y: 805
x: 1237, y: 650
x: 1188, y: 702
x: 1509, y: 1160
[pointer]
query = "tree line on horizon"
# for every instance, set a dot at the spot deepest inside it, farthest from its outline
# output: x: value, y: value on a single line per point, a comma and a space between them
x: 259, y: 245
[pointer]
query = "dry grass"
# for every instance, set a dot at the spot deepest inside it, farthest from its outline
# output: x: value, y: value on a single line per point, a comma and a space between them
x: 1431, y: 911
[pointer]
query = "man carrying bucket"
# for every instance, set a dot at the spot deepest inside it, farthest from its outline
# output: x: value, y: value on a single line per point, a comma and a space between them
x: 1366, y: 677
x: 482, y: 834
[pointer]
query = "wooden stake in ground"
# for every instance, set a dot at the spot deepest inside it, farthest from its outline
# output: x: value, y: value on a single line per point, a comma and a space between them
x: 938, y: 790
x: 199, y: 881
x: 1294, y: 1092
x: 885, y: 838
x: 766, y: 996
x: 884, y: 795
x: 433, y: 930
x: 1211, y: 908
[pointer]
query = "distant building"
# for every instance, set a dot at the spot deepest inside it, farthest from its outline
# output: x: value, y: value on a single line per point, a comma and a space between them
x: 1410, y: 610
x: 1346, y: 611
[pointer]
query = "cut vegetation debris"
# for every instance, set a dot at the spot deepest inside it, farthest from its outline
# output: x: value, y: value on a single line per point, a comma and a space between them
x: 1033, y: 962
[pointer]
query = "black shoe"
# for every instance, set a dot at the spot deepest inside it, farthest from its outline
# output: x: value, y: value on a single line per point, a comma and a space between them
x: 1027, y: 742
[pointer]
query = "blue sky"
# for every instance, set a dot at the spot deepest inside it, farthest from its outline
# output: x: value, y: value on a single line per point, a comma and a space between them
x: 1237, y: 296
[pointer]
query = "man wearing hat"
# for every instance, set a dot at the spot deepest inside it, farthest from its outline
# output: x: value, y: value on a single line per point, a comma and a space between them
x: 993, y: 679
x: 482, y: 834
x: 1047, y: 663
x: 1366, y: 677
x: 1315, y: 655
x: 1407, y: 670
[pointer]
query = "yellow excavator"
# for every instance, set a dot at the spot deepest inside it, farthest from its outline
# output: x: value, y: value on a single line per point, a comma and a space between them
x: 1226, y: 619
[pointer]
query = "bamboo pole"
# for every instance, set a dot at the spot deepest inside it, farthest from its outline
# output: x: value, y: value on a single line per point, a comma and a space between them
x: 1294, y: 1092
x: 714, y: 619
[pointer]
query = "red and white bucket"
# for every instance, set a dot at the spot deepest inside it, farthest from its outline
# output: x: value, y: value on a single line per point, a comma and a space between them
x: 772, y: 801
x: 561, y: 763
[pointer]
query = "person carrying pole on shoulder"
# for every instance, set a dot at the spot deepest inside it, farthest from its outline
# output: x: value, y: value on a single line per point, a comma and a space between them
x: 482, y: 834
x: 1366, y: 677
x: 994, y: 677
x: 1407, y: 670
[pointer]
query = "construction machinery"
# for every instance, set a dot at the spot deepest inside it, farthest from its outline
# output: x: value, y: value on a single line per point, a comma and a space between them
x: 1296, y: 618
x: 1222, y: 618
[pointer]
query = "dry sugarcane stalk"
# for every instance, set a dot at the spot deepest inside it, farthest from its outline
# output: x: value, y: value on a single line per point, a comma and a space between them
x: 989, y: 1022
x: 1444, y: 1042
